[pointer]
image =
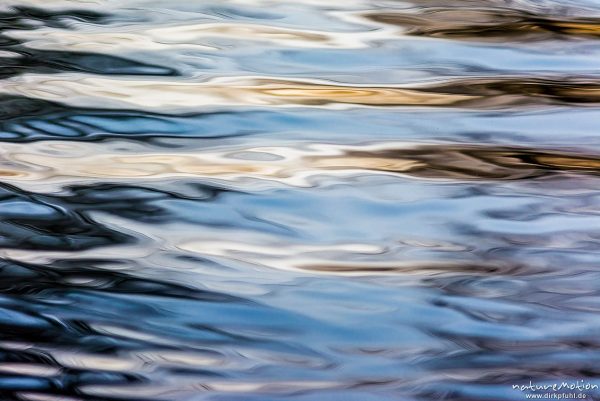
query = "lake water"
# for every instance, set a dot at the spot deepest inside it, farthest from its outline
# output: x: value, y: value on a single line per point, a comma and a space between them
x: 299, y: 200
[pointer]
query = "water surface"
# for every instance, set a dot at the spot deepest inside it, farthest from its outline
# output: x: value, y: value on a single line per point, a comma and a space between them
x: 300, y: 200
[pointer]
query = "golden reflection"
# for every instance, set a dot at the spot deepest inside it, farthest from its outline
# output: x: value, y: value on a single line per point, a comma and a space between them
x: 86, y: 91
x: 569, y: 163
x: 193, y: 33
x: 485, y: 24
x: 580, y: 28
x: 180, y: 95
x: 369, y: 163
x: 91, y: 162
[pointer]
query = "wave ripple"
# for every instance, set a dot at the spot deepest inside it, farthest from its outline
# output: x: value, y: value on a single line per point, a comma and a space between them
x: 263, y: 200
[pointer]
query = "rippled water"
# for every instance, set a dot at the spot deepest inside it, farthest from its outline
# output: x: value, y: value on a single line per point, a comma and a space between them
x: 301, y: 200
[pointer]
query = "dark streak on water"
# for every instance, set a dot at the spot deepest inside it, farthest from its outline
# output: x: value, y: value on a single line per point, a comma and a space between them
x: 47, y: 61
x: 381, y: 201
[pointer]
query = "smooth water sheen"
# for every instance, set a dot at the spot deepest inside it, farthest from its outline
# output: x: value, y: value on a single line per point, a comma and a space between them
x: 303, y: 200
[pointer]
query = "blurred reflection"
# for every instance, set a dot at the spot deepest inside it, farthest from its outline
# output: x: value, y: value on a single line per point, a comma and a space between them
x: 298, y: 200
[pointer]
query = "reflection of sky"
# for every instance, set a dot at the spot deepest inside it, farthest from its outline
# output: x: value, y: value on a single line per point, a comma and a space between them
x: 409, y: 60
x: 180, y: 234
x: 258, y: 128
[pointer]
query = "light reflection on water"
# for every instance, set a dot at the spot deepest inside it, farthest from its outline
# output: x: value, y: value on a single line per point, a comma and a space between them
x: 294, y: 200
